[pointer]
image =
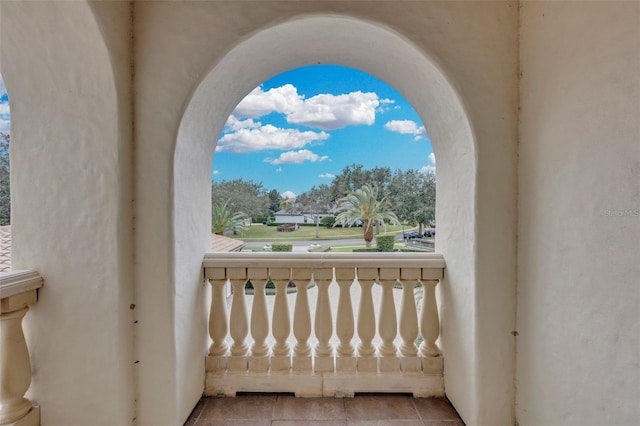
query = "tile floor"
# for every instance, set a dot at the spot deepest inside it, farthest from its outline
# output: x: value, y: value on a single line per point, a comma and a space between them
x: 286, y: 410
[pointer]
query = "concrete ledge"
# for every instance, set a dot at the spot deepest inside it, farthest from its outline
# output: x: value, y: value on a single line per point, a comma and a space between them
x: 324, y: 384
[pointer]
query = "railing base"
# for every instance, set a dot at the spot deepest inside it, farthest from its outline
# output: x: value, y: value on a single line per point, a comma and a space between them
x: 324, y: 384
x: 32, y: 418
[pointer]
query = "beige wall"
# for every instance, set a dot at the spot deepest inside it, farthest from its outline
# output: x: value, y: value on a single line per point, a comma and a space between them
x: 68, y: 83
x: 579, y: 218
x: 206, y: 56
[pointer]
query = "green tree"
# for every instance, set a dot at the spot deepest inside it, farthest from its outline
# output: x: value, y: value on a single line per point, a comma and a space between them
x: 313, y: 202
x: 245, y: 196
x: 413, y: 196
x: 275, y: 199
x: 362, y: 205
x: 5, y: 188
x: 224, y: 221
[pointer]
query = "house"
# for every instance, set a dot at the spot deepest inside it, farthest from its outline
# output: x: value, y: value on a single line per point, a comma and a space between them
x: 532, y: 109
x: 284, y: 216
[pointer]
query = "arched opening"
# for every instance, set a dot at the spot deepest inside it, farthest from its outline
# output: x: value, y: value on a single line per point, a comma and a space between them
x: 386, y: 55
x: 5, y: 179
x: 302, y: 140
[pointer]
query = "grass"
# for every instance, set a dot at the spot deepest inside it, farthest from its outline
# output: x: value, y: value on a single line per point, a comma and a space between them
x: 259, y: 232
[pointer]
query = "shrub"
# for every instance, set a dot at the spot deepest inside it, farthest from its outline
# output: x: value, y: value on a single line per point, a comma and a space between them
x: 282, y: 247
x: 385, y: 242
x: 328, y: 221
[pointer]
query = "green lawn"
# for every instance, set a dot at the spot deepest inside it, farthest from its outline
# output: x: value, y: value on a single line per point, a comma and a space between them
x: 259, y: 232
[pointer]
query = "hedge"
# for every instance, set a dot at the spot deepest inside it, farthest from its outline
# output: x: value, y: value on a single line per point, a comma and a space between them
x: 282, y: 247
x: 385, y: 242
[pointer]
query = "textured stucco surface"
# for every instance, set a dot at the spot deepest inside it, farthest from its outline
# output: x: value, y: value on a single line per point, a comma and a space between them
x: 71, y: 207
x: 442, y: 81
x: 88, y: 170
x: 579, y: 215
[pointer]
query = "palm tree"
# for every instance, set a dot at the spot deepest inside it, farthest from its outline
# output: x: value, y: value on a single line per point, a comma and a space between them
x: 222, y: 220
x: 363, y: 205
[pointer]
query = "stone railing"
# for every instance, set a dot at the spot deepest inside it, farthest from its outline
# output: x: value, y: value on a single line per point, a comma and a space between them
x: 18, y: 290
x: 260, y: 347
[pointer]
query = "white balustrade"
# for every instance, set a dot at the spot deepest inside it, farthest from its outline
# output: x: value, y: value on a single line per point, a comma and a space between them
x: 302, y: 321
x: 311, y: 354
x: 345, y: 360
x: 258, y: 362
x: 238, y: 320
x: 18, y: 290
x: 281, y: 323
x: 324, y: 323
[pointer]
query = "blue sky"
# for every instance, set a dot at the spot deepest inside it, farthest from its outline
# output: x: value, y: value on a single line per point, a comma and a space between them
x: 302, y: 127
x: 5, y: 119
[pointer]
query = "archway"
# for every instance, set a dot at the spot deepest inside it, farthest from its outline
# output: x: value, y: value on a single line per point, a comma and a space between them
x: 386, y: 55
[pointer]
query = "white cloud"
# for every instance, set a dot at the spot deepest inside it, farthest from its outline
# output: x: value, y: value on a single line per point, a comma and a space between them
x: 215, y: 172
x: 431, y: 167
x: 296, y: 157
x: 406, y: 127
x: 5, y: 125
x: 289, y: 195
x: 330, y: 112
x: 324, y: 111
x: 235, y: 124
x: 257, y: 103
x: 267, y: 137
x: 385, y: 105
x: 279, y: 169
x: 4, y: 107
x: 327, y: 175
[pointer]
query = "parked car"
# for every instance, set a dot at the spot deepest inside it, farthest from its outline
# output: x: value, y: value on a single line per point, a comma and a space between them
x: 430, y: 233
x: 411, y: 235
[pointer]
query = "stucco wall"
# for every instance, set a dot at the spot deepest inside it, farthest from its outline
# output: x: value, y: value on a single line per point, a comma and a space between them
x: 473, y: 47
x: 579, y: 214
x: 71, y: 203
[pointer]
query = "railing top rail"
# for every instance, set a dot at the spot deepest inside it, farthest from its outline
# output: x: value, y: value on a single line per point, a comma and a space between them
x: 19, y: 281
x: 324, y: 260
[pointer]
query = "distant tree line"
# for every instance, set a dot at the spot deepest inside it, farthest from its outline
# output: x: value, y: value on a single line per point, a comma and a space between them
x: 5, y: 190
x: 410, y: 194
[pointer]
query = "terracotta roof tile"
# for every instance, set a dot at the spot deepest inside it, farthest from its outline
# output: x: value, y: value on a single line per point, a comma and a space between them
x: 5, y: 248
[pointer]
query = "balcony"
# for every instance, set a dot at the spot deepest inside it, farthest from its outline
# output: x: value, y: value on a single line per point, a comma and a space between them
x: 382, y: 337
x: 18, y: 290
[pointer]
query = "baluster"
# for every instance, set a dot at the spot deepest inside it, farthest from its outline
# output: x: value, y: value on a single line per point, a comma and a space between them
x: 345, y: 360
x: 15, y: 370
x: 218, y: 325
x: 387, y: 321
x: 429, y: 321
x: 302, y: 321
x: 367, y: 362
x: 259, y: 359
x: 409, y: 321
x: 238, y: 320
x: 323, y: 321
x: 281, y: 327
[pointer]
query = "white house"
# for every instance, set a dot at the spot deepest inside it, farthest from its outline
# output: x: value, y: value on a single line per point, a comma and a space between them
x: 283, y: 216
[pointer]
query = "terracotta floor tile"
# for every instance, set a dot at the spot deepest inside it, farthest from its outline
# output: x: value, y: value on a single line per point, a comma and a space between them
x: 245, y: 407
x: 289, y: 407
x: 435, y: 409
x: 384, y: 423
x: 380, y: 407
x: 309, y: 423
x: 222, y: 422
